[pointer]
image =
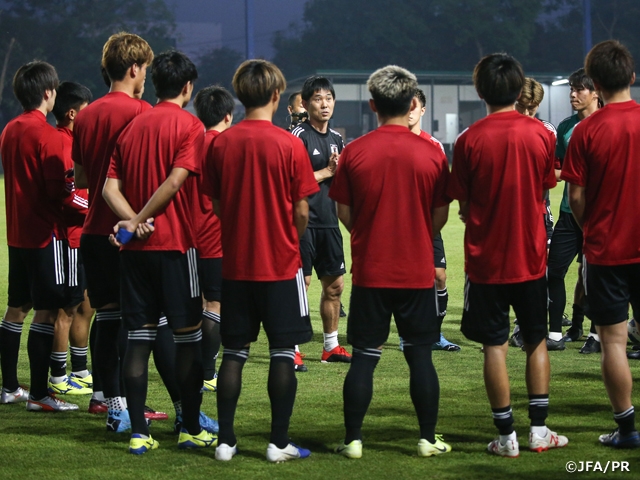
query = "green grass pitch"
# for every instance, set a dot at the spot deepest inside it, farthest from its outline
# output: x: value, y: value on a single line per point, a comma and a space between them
x: 76, y: 445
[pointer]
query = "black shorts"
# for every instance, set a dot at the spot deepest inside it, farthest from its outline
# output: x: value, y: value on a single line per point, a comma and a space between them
x: 282, y: 308
x: 321, y: 249
x: 77, y: 276
x: 415, y: 312
x: 566, y: 243
x: 155, y: 282
x: 101, y: 263
x: 439, y: 258
x: 39, y: 276
x: 609, y: 290
x: 210, y: 276
x: 485, y: 318
x: 548, y: 218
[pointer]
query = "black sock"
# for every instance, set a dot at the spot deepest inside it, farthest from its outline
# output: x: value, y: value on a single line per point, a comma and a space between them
x: 592, y: 329
x: 229, y: 387
x: 78, y: 358
x: 557, y: 301
x: 282, y: 388
x: 358, y: 390
x: 10, y: 334
x: 503, y: 419
x: 107, y: 361
x: 538, y: 409
x: 164, y: 356
x: 39, y: 346
x: 577, y: 317
x: 424, y: 387
x: 210, y: 342
x: 58, y: 363
x: 443, y: 301
x: 123, y: 342
x: 136, y: 376
x: 626, y: 421
x: 97, y: 381
x: 189, y: 377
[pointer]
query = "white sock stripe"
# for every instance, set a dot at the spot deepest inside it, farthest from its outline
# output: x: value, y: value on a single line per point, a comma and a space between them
x: 502, y: 415
x: 191, y: 337
x: 371, y: 352
x: 282, y: 352
x: 42, y: 328
x: 143, y: 334
x: 302, y: 294
x: 243, y: 352
x: 79, y: 350
x: 624, y: 414
x: 108, y: 316
x: 59, y: 356
x: 12, y: 326
x: 213, y: 316
x: 162, y: 321
x: 192, y: 258
x: 539, y: 401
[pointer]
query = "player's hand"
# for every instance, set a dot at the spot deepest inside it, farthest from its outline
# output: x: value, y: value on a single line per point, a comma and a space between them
x: 144, y: 230
x: 123, y: 232
x: 333, y: 162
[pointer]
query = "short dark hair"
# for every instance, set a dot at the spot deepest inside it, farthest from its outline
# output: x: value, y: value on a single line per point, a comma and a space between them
x: 170, y: 72
x: 421, y: 97
x: 610, y: 65
x: 579, y: 79
x: 212, y: 103
x: 70, y: 95
x: 316, y: 84
x: 255, y: 82
x: 292, y: 98
x: 498, y: 79
x: 392, y: 89
x: 31, y: 81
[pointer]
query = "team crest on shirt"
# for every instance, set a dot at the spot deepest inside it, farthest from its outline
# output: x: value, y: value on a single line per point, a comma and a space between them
x: 334, y: 148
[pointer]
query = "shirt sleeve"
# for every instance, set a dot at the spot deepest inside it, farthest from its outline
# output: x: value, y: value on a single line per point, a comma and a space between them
x: 340, y: 189
x: 549, y: 179
x: 459, y: 181
x: 574, y: 169
x: 190, y: 152
x: 303, y: 181
x: 115, y: 164
x: 440, y: 197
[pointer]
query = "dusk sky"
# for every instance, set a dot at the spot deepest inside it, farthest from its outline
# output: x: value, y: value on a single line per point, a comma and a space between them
x: 270, y: 16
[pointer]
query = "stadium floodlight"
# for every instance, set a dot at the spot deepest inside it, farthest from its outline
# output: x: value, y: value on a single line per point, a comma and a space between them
x: 562, y: 81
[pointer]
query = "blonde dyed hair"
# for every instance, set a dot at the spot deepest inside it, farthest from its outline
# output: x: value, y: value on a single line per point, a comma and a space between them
x: 392, y: 89
x: 255, y: 82
x: 532, y: 93
x: 122, y: 51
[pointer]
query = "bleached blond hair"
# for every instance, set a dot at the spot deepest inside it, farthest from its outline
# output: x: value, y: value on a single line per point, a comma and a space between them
x: 392, y: 89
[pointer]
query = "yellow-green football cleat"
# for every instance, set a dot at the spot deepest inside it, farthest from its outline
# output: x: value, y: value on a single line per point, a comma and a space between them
x: 82, y: 381
x: 69, y: 387
x: 353, y: 450
x: 139, y: 445
x: 427, y: 449
x: 203, y: 440
x: 210, y: 385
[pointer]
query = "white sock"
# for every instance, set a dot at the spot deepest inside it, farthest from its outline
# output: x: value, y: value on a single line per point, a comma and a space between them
x: 595, y: 335
x: 82, y: 373
x: 297, y: 349
x: 124, y: 402
x: 330, y: 340
x: 555, y: 336
x: 540, y: 431
x: 57, y: 379
x: 505, y: 438
x: 115, y: 403
x: 98, y: 396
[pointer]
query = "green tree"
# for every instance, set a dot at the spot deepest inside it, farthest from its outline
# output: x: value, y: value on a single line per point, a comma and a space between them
x: 70, y: 34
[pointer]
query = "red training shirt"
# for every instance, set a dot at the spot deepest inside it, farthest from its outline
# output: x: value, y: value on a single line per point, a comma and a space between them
x: 392, y: 179
x: 501, y: 166
x: 206, y: 223
x: 603, y: 158
x: 75, y: 206
x: 152, y: 145
x: 95, y: 132
x: 257, y: 172
x: 32, y: 159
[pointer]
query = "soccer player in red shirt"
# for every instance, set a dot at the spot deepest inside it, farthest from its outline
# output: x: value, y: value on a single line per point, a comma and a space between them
x: 260, y: 178
x: 391, y: 180
x: 152, y: 175
x: 602, y: 170
x: 214, y: 106
x: 34, y: 172
x: 125, y: 58
x: 440, y: 259
x: 70, y: 99
x: 502, y: 165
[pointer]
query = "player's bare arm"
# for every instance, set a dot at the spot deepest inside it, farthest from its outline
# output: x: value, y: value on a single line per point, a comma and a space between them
x: 300, y: 215
x: 577, y: 202
x: 440, y: 215
x: 330, y: 170
x: 112, y: 193
x: 345, y: 216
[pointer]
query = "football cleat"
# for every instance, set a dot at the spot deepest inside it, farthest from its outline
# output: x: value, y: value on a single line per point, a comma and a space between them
x: 68, y: 387
x: 446, y: 345
x: 352, y: 450
x: 118, y: 421
x: 509, y: 449
x: 573, y: 334
x: 550, y: 440
x: 401, y: 344
x: 49, y: 404
x: 20, y: 395
x: 97, y: 406
x: 203, y: 440
x: 225, y: 453
x: 590, y: 346
x: 290, y: 452
x: 555, y: 345
x: 151, y: 414
x: 428, y: 449
x: 298, y: 364
x: 343, y: 314
x: 139, y: 445
x: 565, y: 320
x: 616, y: 440
x: 82, y: 381
x: 338, y: 354
x: 210, y: 385
x: 208, y: 424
